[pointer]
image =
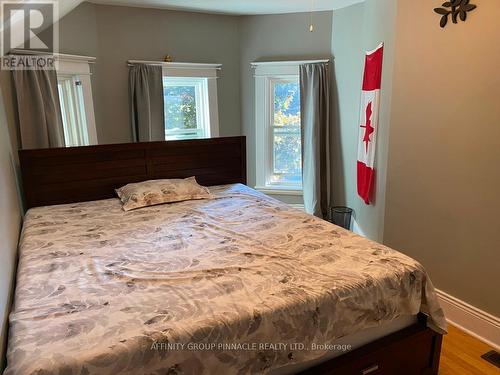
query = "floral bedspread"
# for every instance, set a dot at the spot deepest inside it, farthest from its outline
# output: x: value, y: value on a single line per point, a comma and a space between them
x: 237, y: 284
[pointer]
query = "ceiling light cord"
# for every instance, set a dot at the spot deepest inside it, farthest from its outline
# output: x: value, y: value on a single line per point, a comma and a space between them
x: 311, y: 25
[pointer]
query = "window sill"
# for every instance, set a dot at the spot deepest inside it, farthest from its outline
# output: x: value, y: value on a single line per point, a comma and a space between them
x: 278, y: 190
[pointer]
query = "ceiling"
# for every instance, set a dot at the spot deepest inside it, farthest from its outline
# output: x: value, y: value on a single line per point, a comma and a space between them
x: 237, y: 7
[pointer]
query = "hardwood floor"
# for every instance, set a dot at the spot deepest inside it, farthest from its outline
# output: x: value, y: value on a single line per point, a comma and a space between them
x: 461, y: 354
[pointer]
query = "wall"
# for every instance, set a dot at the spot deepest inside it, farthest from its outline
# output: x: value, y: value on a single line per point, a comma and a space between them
x: 10, y: 202
x: 150, y: 34
x: 443, y: 174
x: 276, y: 37
x: 437, y: 153
x: 10, y: 206
x: 356, y: 29
x: 347, y: 50
x: 10, y: 222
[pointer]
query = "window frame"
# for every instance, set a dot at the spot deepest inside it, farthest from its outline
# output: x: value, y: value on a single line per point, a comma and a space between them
x: 78, y: 68
x: 208, y: 72
x: 265, y: 75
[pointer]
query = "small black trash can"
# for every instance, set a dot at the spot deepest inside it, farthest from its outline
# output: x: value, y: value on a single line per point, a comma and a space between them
x: 341, y: 216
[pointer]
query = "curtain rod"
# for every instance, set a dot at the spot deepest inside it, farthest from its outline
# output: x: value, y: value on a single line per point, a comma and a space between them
x: 176, y: 64
x: 289, y: 62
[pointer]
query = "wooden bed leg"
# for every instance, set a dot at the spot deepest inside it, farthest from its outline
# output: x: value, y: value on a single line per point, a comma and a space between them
x: 436, y: 353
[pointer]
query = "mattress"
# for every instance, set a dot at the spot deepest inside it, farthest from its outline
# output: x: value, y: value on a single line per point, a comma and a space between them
x: 238, y: 284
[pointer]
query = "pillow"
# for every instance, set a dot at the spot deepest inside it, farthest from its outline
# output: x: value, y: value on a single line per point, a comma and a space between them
x: 149, y: 193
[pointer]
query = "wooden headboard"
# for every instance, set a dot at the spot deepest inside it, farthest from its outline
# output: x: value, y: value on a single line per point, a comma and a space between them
x: 78, y: 174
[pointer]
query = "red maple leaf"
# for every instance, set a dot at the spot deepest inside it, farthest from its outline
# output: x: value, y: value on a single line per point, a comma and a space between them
x: 369, y: 129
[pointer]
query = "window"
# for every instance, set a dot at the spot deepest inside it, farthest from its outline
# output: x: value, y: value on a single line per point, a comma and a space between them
x: 186, y: 108
x: 278, y: 130
x: 190, y: 101
x: 286, y: 139
x: 75, y: 99
x: 72, y: 110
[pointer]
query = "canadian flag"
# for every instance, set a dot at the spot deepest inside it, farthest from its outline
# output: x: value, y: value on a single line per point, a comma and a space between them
x: 370, y: 97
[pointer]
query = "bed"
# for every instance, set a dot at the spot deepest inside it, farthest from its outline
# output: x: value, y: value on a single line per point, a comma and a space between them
x: 237, y: 284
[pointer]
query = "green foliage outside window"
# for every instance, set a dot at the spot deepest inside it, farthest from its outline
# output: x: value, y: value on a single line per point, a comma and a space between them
x: 286, y: 132
x: 180, y: 107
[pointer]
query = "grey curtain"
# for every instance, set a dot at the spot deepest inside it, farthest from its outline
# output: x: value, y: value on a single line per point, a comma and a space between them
x: 315, y: 119
x: 40, y: 120
x: 146, y: 103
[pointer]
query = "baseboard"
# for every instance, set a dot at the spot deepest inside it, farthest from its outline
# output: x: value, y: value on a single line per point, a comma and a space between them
x: 298, y: 206
x: 470, y: 319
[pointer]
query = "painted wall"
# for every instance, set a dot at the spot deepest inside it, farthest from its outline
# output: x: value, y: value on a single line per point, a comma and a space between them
x: 10, y: 222
x: 10, y: 198
x: 444, y: 155
x: 356, y: 29
x: 437, y: 153
x: 347, y: 51
x: 117, y: 34
x: 270, y: 38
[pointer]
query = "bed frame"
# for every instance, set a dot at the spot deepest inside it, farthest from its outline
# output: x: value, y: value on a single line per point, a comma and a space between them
x: 414, y: 350
x: 77, y: 174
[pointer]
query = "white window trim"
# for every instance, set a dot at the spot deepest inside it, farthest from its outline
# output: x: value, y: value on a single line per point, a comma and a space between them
x: 80, y: 65
x: 265, y: 73
x: 208, y: 71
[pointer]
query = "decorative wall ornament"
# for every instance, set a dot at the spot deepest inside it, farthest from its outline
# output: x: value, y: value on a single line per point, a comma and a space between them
x: 455, y: 8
